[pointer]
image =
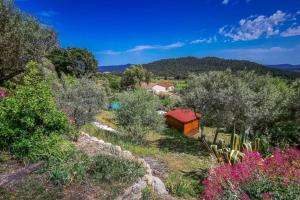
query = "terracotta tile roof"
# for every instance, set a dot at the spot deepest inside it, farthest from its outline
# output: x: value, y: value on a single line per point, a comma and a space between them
x: 165, y: 84
x: 182, y: 115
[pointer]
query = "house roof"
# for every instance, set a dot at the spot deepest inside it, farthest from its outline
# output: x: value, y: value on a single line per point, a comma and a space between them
x: 182, y: 115
x: 166, y: 84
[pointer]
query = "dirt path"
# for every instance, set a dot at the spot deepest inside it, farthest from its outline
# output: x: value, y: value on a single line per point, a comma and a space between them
x: 16, y: 175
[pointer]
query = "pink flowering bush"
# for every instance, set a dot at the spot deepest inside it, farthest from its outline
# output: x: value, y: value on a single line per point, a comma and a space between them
x: 2, y: 93
x: 276, y: 177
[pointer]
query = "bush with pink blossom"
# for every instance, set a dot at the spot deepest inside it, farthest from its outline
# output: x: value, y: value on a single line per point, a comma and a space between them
x: 275, y: 177
x: 3, y: 93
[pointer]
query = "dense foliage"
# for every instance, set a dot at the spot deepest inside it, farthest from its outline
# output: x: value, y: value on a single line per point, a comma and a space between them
x: 182, y: 67
x: 245, y: 100
x: 138, y: 113
x: 22, y: 38
x: 29, y: 116
x: 134, y: 76
x: 74, y: 61
x: 275, y: 177
x: 81, y: 99
x: 76, y: 166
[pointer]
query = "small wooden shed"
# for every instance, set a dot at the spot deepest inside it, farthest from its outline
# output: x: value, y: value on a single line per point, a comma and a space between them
x: 184, y: 120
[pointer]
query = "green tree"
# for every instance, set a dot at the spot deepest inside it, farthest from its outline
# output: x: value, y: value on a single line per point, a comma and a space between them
x: 134, y: 76
x: 30, y: 115
x: 74, y: 61
x: 245, y: 100
x: 81, y: 99
x: 22, y: 39
x: 138, y: 113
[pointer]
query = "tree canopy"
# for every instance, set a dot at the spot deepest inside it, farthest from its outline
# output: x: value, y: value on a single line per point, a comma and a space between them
x: 138, y: 113
x: 134, y: 76
x: 74, y: 61
x: 22, y: 39
x: 181, y: 67
x: 245, y: 100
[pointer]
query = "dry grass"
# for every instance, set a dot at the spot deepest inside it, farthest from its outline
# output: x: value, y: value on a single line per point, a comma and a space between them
x: 107, y: 118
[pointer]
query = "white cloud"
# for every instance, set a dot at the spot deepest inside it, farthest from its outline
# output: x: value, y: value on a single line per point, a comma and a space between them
x: 292, y: 31
x: 270, y: 55
x: 255, y: 51
x: 164, y: 47
x: 109, y: 52
x: 225, y: 2
x: 140, y: 48
x: 204, y: 40
x: 255, y: 27
x: 48, y: 13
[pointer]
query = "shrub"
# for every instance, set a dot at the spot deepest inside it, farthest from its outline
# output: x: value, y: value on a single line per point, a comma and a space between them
x: 138, y: 113
x: 81, y: 99
x: 285, y: 134
x: 256, y: 178
x: 71, y: 167
x: 170, y: 102
x: 77, y: 166
x: 149, y: 194
x: 3, y: 93
x: 106, y: 168
x: 29, y: 116
x: 182, y: 186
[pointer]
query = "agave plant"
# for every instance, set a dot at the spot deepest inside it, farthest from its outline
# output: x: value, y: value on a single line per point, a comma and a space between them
x: 234, y: 154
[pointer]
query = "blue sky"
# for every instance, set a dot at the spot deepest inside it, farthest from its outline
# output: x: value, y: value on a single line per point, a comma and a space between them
x: 140, y: 31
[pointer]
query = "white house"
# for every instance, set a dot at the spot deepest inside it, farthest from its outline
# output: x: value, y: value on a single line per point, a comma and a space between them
x: 163, y: 88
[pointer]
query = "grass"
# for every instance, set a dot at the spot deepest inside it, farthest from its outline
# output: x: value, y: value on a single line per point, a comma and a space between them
x: 186, y: 159
x: 74, y: 176
x: 183, y: 186
x: 110, y: 169
x: 107, y: 118
x: 183, y: 156
x: 149, y: 194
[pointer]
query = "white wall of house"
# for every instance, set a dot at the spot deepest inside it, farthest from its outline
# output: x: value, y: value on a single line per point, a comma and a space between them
x: 157, y: 89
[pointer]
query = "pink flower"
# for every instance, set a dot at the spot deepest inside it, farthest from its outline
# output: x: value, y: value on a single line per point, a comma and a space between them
x: 266, y: 196
x: 283, y: 168
x: 245, y: 196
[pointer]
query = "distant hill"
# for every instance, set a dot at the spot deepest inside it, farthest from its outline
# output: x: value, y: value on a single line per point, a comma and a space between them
x: 181, y: 67
x: 113, y: 68
x: 289, y: 67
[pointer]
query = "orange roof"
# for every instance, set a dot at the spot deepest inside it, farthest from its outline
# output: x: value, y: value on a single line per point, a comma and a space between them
x: 182, y: 115
x: 166, y: 84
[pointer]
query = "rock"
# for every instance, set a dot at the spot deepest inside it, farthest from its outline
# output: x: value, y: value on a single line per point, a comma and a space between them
x: 159, y: 186
x: 93, y: 145
x: 118, y: 148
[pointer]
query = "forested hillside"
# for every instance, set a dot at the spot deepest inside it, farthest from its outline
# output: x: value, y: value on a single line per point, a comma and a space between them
x: 181, y: 67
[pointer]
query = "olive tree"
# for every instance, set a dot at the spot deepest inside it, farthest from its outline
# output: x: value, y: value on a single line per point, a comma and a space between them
x: 219, y: 96
x: 134, y: 76
x: 81, y: 99
x: 22, y: 39
x: 138, y: 114
x: 245, y: 100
